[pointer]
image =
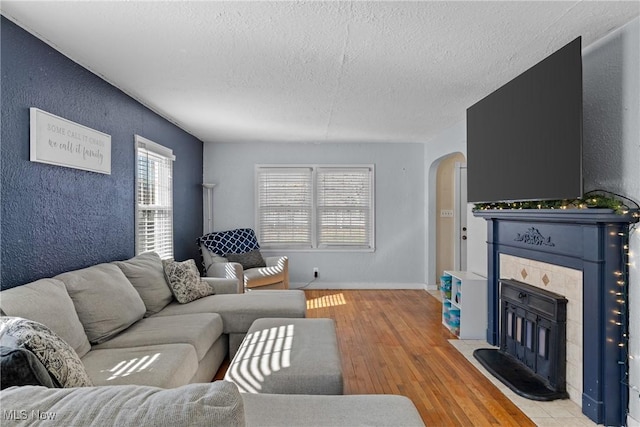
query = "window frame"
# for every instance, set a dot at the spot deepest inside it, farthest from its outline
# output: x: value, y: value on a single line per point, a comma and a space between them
x: 141, y: 143
x: 314, y: 245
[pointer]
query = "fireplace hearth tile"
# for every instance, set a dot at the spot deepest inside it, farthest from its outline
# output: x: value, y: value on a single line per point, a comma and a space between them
x: 545, y: 280
x: 524, y: 273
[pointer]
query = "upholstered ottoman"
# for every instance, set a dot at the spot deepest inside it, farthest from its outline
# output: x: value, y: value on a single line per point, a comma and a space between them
x: 288, y: 356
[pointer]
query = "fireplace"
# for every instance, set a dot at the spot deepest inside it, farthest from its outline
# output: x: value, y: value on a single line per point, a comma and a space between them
x: 590, y: 241
x: 531, y: 359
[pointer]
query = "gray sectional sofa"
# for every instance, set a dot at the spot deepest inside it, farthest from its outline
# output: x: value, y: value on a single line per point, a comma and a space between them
x: 150, y: 359
x: 115, y: 315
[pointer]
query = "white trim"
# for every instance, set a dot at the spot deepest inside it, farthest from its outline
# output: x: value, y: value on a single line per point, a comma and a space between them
x: 314, y: 167
x: 358, y: 285
x: 150, y: 146
x: 147, y: 144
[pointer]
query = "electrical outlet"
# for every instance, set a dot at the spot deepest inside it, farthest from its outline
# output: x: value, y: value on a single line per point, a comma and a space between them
x: 446, y: 213
x: 315, y: 272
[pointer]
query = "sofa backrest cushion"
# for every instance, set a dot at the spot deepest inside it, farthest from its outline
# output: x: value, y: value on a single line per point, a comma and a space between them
x: 46, y: 301
x: 147, y: 276
x: 105, y: 300
x: 194, y: 405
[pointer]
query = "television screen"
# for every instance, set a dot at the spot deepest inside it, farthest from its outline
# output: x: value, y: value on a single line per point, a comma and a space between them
x: 524, y: 141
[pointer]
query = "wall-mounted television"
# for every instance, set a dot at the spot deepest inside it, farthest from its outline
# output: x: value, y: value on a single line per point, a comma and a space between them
x: 524, y: 141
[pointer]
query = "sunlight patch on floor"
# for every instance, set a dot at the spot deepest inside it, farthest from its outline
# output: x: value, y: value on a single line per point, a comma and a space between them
x: 326, y: 301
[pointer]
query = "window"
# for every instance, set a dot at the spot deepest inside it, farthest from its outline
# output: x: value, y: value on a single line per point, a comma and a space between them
x: 154, y: 198
x: 321, y: 207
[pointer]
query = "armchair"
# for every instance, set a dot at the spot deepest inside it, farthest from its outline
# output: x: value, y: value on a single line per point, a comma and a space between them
x: 235, y: 254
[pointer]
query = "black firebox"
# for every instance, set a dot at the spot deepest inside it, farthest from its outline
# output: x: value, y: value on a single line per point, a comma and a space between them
x: 531, y: 359
x: 534, y: 325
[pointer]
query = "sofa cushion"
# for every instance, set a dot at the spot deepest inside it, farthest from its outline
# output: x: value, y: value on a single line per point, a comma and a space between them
x: 58, y: 357
x: 166, y: 366
x: 200, y: 330
x: 184, y: 280
x: 147, y: 276
x: 288, y: 356
x: 104, y: 299
x: 19, y: 367
x: 46, y: 301
x: 194, y: 405
x: 350, y: 410
x: 238, y: 311
x: 251, y: 259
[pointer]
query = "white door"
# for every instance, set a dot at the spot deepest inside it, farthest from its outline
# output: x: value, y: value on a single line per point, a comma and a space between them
x: 460, y: 217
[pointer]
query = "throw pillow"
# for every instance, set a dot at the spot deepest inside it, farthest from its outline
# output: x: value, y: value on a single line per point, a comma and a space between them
x: 58, y: 357
x: 251, y: 259
x: 184, y: 280
x: 19, y: 366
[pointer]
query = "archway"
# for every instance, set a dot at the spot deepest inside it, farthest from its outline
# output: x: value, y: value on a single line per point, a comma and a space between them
x: 441, y: 207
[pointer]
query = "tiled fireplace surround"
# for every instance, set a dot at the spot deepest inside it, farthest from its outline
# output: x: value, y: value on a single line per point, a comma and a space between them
x: 563, y: 281
x: 578, y: 254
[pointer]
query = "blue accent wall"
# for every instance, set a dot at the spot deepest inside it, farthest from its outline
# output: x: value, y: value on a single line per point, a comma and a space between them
x: 56, y: 219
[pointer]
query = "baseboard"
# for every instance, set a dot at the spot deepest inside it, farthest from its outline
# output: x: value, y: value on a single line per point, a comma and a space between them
x: 356, y: 285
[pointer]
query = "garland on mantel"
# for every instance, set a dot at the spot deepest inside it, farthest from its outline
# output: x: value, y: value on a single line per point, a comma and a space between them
x: 593, y: 199
x: 621, y: 205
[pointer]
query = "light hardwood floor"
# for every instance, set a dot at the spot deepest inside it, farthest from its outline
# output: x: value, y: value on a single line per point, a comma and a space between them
x: 392, y: 341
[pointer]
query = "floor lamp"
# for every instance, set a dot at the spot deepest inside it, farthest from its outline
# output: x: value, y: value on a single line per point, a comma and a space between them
x: 208, y: 194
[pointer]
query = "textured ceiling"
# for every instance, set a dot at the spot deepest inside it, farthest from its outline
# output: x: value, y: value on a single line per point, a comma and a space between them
x: 314, y: 71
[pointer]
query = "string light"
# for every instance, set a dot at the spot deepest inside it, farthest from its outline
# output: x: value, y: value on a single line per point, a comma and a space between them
x: 594, y: 199
x: 620, y: 205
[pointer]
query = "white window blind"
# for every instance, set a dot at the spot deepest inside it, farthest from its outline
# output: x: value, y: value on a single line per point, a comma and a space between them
x: 344, y: 207
x: 284, y: 197
x: 154, y: 196
x: 315, y: 206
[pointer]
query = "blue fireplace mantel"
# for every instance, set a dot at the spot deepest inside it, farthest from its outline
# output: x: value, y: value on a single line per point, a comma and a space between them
x: 590, y: 240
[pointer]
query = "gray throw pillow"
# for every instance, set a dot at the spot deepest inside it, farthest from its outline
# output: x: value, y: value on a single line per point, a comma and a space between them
x: 58, y: 357
x: 184, y: 280
x: 251, y: 259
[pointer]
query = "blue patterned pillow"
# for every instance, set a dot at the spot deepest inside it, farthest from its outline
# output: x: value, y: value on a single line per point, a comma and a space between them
x: 236, y: 241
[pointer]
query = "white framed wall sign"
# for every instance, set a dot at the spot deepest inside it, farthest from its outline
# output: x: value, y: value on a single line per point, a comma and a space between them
x: 61, y: 142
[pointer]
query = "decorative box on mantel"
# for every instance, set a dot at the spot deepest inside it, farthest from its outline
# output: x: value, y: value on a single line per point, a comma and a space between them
x: 590, y: 240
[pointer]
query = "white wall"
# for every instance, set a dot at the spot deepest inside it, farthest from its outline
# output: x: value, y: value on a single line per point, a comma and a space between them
x: 398, y: 261
x: 611, y: 76
x: 611, y: 88
x: 452, y: 140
